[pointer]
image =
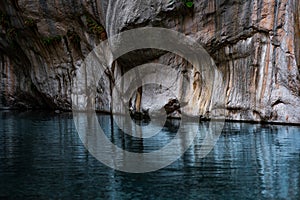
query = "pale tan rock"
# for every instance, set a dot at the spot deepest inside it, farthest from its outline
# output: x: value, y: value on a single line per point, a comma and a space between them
x: 254, y: 43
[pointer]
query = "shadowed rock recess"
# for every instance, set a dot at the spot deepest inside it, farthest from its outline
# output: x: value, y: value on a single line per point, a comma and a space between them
x: 255, y: 44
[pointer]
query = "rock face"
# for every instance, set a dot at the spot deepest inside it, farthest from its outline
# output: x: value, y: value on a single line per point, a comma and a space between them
x: 254, y: 43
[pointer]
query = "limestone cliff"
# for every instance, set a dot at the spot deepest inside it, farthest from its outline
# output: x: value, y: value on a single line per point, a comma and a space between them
x: 255, y: 44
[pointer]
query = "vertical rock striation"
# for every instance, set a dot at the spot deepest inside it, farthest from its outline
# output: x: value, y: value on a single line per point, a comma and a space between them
x: 255, y: 44
x: 42, y: 45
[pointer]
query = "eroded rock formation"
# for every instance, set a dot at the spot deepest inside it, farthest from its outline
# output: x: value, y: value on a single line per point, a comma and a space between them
x: 254, y: 43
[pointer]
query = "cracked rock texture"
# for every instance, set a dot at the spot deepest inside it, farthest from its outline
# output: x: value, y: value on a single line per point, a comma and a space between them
x: 254, y: 43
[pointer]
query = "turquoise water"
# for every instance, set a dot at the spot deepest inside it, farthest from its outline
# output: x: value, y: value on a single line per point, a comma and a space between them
x: 42, y: 157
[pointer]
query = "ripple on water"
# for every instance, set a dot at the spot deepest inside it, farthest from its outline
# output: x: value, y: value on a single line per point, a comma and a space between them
x: 41, y: 156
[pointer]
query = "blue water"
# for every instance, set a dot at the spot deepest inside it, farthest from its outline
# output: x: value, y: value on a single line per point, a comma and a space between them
x: 42, y: 157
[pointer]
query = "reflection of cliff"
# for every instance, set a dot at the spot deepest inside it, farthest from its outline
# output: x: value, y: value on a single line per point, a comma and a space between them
x: 254, y: 43
x: 264, y: 155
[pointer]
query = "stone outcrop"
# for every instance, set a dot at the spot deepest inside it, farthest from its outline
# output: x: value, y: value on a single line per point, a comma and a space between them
x: 254, y: 43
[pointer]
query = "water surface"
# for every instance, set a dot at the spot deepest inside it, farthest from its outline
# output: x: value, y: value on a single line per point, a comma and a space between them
x: 42, y: 157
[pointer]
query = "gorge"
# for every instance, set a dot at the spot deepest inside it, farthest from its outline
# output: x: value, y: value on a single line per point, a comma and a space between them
x: 254, y: 43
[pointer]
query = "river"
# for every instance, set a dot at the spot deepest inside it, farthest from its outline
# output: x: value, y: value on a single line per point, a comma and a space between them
x: 42, y: 157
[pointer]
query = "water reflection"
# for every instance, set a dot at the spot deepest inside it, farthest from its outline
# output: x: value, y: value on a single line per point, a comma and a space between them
x: 106, y: 151
x: 266, y: 154
x: 41, y: 156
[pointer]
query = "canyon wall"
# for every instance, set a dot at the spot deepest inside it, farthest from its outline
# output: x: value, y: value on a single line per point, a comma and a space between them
x: 254, y: 43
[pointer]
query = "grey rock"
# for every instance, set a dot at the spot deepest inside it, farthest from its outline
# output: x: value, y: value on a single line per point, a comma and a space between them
x: 255, y: 44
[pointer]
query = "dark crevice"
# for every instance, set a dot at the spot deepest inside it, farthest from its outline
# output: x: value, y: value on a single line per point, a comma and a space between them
x: 279, y: 101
